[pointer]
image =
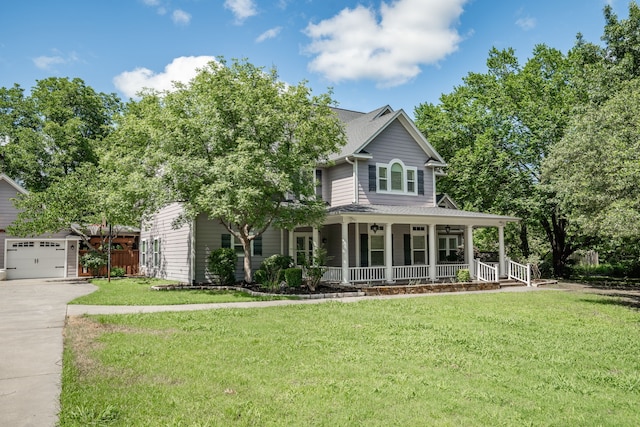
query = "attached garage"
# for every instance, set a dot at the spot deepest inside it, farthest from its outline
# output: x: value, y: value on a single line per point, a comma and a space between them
x: 36, y: 258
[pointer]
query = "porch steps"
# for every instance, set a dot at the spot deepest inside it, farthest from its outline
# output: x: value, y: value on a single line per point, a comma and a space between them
x: 507, y: 283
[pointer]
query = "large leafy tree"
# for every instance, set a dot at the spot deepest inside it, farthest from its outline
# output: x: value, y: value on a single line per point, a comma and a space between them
x: 496, y: 129
x: 53, y: 130
x: 238, y: 145
x: 59, y: 144
x: 595, y: 168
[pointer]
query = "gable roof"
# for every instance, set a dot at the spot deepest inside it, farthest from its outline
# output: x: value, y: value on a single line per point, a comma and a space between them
x: 443, y: 200
x: 362, y: 128
x: 12, y: 183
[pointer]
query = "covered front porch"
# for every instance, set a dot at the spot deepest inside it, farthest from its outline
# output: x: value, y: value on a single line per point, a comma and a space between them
x: 395, y: 244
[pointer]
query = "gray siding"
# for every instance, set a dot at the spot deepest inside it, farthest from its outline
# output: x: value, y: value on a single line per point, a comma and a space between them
x: 333, y: 246
x: 175, y: 246
x: 209, y: 237
x: 341, y: 183
x: 395, y: 143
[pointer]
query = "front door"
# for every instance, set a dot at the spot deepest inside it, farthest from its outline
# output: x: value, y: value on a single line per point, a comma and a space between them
x: 304, y: 247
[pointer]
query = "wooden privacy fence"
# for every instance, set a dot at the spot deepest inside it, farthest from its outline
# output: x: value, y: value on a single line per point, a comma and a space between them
x: 127, y: 259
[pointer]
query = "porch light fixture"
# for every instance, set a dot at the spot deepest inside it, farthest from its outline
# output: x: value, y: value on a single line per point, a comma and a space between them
x: 375, y: 228
x: 447, y: 229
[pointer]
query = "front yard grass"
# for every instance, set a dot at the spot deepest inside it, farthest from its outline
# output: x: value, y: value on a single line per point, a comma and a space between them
x: 536, y: 358
x: 137, y: 291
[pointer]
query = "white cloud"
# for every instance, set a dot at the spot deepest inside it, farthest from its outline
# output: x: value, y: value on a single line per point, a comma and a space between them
x: 47, y: 62
x: 241, y: 9
x: 527, y: 23
x: 388, y: 47
x: 181, y: 17
x: 181, y: 69
x: 269, y: 34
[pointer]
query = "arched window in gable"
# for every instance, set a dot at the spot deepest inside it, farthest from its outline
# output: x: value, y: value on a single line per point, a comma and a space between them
x: 394, y: 177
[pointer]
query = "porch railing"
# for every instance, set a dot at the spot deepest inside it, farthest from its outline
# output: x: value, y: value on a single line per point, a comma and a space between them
x: 403, y: 272
x: 486, y: 272
x: 367, y: 274
x: 449, y: 270
x: 332, y: 274
x: 519, y: 272
x: 411, y: 272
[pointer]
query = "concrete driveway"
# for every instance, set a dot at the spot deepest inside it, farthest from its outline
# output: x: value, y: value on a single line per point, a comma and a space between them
x: 32, y: 316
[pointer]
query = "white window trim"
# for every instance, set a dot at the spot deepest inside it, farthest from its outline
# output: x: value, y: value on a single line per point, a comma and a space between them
x: 405, y: 182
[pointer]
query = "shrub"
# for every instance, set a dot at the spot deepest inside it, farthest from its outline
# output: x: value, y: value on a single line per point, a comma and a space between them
x: 463, y: 275
x: 316, y: 269
x: 222, y: 265
x: 273, y: 268
x: 94, y: 261
x: 117, y: 272
x: 260, y: 276
x: 293, y: 277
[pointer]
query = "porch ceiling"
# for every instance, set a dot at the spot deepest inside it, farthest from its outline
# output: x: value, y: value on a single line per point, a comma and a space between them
x: 413, y: 215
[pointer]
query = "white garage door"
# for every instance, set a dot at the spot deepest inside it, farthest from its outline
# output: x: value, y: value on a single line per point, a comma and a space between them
x: 32, y: 259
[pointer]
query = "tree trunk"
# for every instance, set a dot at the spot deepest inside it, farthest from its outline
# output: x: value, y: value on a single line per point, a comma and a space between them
x: 246, y: 247
x: 524, y: 241
x: 557, y: 236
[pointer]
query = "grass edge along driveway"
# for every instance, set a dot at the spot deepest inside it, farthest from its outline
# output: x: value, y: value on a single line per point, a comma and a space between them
x: 537, y: 358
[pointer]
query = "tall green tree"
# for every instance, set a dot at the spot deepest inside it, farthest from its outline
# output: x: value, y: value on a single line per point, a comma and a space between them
x: 238, y: 145
x: 53, y: 130
x: 496, y: 129
x: 595, y: 168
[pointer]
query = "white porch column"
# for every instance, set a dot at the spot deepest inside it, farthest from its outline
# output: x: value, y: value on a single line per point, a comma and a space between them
x: 315, y: 241
x: 468, y: 249
x: 292, y: 252
x: 388, y: 254
x: 502, y: 271
x: 345, y: 252
x: 356, y: 244
x: 433, y: 250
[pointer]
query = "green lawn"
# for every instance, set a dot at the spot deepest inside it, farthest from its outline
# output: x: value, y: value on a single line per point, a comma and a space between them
x: 537, y: 358
x: 138, y: 292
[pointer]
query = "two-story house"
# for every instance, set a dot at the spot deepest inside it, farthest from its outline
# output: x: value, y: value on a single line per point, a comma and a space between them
x: 384, y: 223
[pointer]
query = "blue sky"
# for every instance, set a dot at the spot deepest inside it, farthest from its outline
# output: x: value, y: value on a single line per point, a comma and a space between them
x: 372, y: 53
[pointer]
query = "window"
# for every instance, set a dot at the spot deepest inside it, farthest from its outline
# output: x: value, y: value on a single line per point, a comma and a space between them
x: 156, y: 252
x: 144, y: 252
x: 418, y: 245
x: 447, y: 248
x: 229, y: 241
x: 395, y: 177
x: 49, y: 245
x: 304, y: 247
x: 377, y: 250
x: 319, y: 184
x: 382, y: 178
x: 411, y: 181
x: 23, y: 245
x: 376, y: 247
